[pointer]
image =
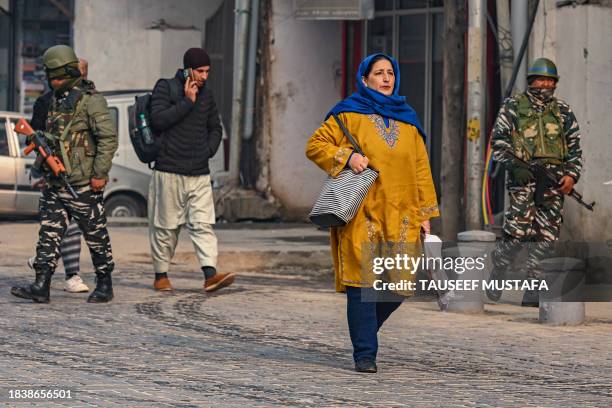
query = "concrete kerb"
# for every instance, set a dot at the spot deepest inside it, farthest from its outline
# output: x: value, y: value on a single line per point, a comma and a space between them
x: 127, y: 222
x: 302, y: 262
x: 144, y: 222
x: 284, y: 248
x: 243, y: 247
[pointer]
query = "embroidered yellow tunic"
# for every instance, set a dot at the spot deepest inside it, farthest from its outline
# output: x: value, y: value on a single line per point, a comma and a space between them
x: 402, y: 197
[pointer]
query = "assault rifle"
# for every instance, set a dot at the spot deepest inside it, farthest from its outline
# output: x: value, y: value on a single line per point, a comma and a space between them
x: 43, y: 151
x: 538, y: 168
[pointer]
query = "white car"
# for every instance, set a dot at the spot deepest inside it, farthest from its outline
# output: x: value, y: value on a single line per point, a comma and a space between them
x: 128, y: 186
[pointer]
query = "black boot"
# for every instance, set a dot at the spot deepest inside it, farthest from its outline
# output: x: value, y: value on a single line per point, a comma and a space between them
x: 37, y: 291
x: 104, y: 289
x: 497, y: 274
x: 531, y: 298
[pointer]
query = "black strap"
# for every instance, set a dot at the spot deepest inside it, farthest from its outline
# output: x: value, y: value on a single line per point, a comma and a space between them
x: 174, y: 88
x: 348, y: 135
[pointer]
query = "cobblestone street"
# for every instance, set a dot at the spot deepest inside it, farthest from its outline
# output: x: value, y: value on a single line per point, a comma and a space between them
x: 278, y: 337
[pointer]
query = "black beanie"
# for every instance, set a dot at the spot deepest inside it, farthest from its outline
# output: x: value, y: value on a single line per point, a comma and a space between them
x: 195, y: 58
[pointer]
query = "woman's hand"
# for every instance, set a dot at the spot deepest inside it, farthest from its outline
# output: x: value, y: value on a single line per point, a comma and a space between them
x: 358, y: 163
x: 426, y: 227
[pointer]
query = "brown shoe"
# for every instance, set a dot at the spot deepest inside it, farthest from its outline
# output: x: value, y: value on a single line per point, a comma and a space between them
x: 220, y: 280
x: 162, y: 285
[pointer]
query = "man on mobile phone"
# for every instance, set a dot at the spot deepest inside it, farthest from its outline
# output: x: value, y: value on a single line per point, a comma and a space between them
x: 180, y: 192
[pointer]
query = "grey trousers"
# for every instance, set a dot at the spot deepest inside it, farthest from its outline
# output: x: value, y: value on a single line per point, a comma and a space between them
x: 175, y: 201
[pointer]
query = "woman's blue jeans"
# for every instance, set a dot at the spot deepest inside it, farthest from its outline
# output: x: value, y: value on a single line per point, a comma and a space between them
x: 365, y: 318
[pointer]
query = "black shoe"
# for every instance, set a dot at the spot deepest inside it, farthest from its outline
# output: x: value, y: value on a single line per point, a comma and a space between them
x: 366, y: 366
x: 492, y: 293
x: 531, y: 298
x: 37, y: 291
x: 104, y: 289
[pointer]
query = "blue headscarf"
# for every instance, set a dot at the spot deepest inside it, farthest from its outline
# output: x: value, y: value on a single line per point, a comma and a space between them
x: 368, y: 101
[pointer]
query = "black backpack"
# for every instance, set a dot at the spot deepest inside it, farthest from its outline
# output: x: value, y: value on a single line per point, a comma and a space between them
x: 147, y: 152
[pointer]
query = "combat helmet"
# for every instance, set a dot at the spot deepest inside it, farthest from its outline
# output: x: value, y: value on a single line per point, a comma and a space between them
x: 543, y: 67
x: 61, y: 60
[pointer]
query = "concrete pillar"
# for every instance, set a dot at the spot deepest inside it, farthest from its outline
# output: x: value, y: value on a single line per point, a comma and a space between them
x: 484, y: 242
x: 465, y: 301
x: 561, y: 304
x: 481, y: 240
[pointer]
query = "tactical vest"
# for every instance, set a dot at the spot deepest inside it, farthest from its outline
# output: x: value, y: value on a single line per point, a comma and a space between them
x: 69, y: 133
x: 539, y: 135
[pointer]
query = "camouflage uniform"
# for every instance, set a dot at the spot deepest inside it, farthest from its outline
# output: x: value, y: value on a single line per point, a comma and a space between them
x: 56, y: 207
x: 78, y: 130
x: 525, y: 220
x: 86, y: 152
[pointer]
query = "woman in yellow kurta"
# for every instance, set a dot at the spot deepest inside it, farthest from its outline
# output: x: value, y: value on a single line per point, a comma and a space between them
x: 397, y: 206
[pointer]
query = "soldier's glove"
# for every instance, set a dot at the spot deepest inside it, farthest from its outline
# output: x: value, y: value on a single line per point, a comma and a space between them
x: 521, y: 173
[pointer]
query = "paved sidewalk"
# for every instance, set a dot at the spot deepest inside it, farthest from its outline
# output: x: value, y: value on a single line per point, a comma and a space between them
x: 278, y: 337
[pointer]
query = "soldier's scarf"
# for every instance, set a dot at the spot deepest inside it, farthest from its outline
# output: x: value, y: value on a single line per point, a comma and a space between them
x: 543, y: 95
x: 69, y: 84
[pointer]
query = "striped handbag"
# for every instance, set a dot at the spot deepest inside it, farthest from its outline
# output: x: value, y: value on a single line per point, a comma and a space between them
x: 341, y: 196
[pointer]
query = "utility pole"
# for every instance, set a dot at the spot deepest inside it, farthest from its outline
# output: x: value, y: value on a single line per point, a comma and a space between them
x: 475, y: 112
x: 453, y: 114
x: 241, y: 33
x: 506, y: 59
x: 518, y: 18
x: 504, y: 42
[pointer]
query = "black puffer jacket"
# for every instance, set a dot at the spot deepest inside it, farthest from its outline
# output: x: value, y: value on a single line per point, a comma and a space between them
x: 40, y: 111
x: 191, y: 132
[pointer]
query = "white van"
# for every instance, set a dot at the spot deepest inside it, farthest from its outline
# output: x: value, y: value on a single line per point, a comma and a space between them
x: 128, y: 186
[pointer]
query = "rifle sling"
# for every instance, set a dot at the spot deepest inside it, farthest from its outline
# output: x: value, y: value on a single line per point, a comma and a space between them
x: 64, y: 135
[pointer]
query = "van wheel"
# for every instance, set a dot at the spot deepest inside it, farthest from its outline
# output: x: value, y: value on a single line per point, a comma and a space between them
x: 123, y: 205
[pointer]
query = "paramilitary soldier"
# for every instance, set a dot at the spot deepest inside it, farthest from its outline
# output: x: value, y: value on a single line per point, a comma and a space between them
x: 80, y: 131
x: 536, y: 127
